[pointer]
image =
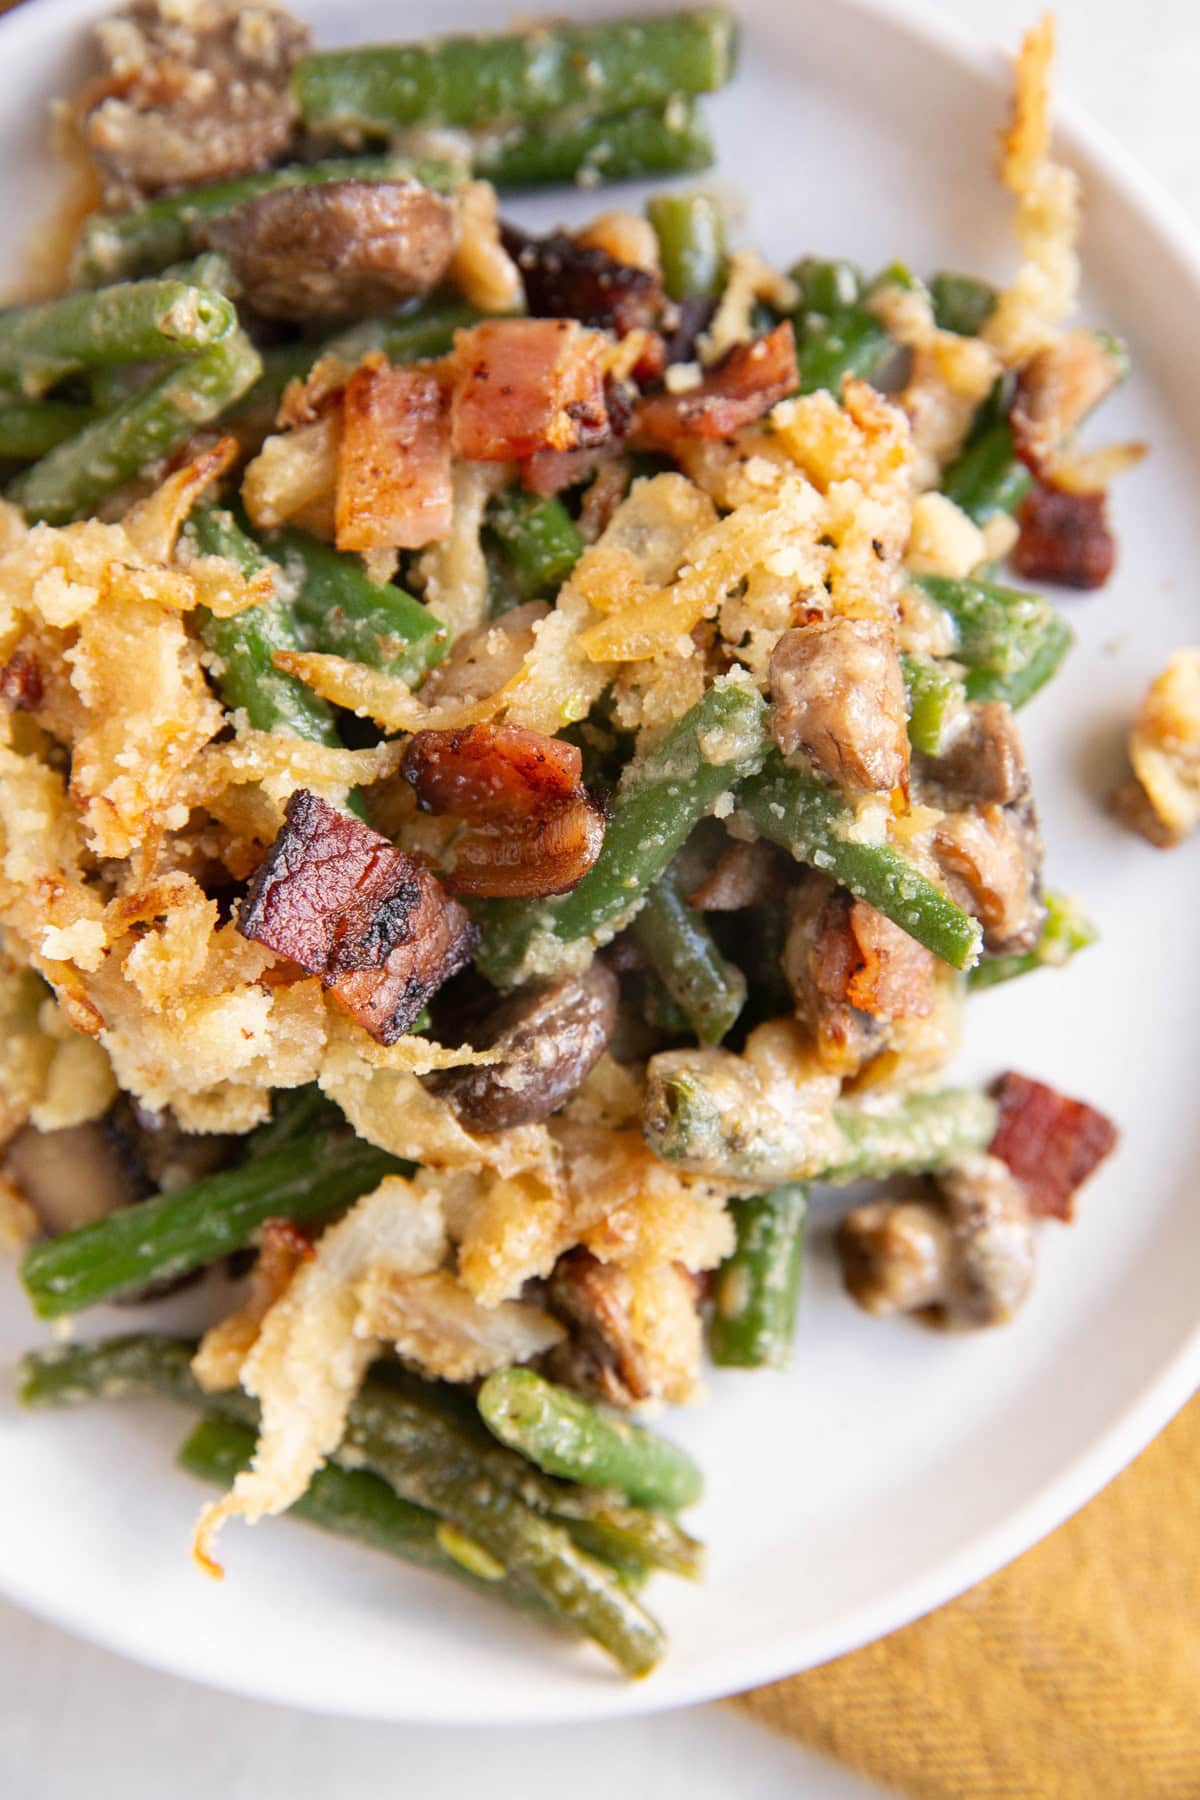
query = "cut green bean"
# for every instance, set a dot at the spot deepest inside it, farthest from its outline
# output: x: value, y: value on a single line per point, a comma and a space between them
x: 935, y: 694
x: 660, y: 798
x: 537, y: 1552
x: 295, y: 1112
x: 72, y: 479
x: 29, y: 428
x: 961, y: 303
x: 1065, y: 930
x: 347, y: 614
x: 758, y: 1286
x: 715, y: 1120
x: 987, y: 478
x: 135, y: 321
x: 690, y: 229
x: 146, y: 239
x: 570, y: 1437
x: 849, y: 343
x: 351, y: 1504
x: 119, y: 1368
x: 675, y: 940
x: 244, y: 646
x: 408, y: 336
x: 613, y: 65
x: 1011, y: 642
x: 670, y: 139
x: 174, y: 1233
x: 812, y: 823
x: 540, y: 539
x: 828, y: 285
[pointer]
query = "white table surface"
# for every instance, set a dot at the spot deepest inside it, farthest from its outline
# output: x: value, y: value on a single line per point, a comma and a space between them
x: 78, y: 1723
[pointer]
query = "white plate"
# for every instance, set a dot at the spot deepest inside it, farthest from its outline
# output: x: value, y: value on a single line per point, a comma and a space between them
x: 893, y: 1467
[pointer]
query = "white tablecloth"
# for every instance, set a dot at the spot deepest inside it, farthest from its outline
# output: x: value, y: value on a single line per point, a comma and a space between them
x: 79, y: 1724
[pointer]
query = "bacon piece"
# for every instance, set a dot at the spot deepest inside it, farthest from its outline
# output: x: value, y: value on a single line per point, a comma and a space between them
x: 548, y: 472
x: 745, y: 384
x: 1065, y: 538
x: 352, y: 909
x: 1050, y: 1142
x: 532, y: 828
x: 852, y: 973
x: 393, y: 483
x: 524, y: 385
x: 564, y: 279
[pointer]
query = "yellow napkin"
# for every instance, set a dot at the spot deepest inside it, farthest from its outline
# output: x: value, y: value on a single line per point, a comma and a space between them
x: 1074, y: 1674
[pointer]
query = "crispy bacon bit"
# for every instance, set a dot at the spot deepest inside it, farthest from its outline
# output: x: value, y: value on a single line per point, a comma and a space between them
x: 22, y: 688
x: 744, y: 385
x: 393, y: 487
x: 525, y: 385
x: 564, y: 279
x: 1050, y: 1142
x: 1064, y: 538
x: 745, y: 875
x: 344, y: 903
x: 532, y: 828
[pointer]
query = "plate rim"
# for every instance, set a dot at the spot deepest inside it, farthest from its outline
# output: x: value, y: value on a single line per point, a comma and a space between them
x: 1114, y: 1448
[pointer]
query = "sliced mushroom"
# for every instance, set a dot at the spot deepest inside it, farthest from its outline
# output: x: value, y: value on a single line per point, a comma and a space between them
x: 549, y: 1037
x: 967, y: 1255
x: 341, y: 248
x: 991, y: 858
x: 837, y: 694
x: 193, y: 93
x: 1058, y: 388
x: 982, y: 760
x: 634, y: 1335
x: 78, y: 1175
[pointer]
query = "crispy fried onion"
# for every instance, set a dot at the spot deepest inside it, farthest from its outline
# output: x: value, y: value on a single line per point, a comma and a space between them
x: 310, y: 1355
x: 349, y: 907
x: 432, y: 1320
x: 531, y: 827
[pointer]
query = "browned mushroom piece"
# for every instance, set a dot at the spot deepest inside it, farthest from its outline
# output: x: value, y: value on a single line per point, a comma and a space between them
x: 77, y: 1175
x: 564, y: 279
x: 965, y: 1254
x: 192, y: 93
x: 1056, y: 391
x: 549, y: 1037
x: 345, y: 247
x: 991, y: 858
x: 982, y: 759
x: 837, y: 693
x: 606, y: 1354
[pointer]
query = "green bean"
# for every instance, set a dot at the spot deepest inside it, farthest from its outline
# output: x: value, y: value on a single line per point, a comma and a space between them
x: 295, y: 1112
x: 1010, y: 641
x: 668, y: 139
x: 676, y: 942
x: 244, y: 646
x: 111, y: 387
x: 569, y: 1437
x: 961, y: 303
x: 174, y: 1233
x: 29, y: 428
x: 714, y: 1121
x: 347, y: 614
x: 828, y: 285
x: 351, y: 1504
x: 849, y: 343
x: 614, y: 65
x: 423, y: 1423
x: 758, y: 1285
x: 660, y: 798
x: 690, y: 229
x: 537, y: 1552
x: 812, y: 823
x: 540, y: 539
x: 987, y: 478
x: 140, y: 242
x: 71, y: 480
x: 1065, y: 929
x: 935, y: 694
x: 135, y: 321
